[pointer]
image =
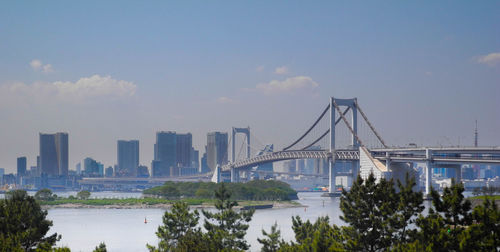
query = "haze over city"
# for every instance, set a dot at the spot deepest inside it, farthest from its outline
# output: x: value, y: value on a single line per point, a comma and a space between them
x: 104, y: 71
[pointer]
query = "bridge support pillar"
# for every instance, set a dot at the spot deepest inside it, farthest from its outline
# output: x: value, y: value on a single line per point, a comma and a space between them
x: 458, y: 174
x: 388, y: 161
x: 331, y: 174
x: 428, y: 172
x: 235, y: 175
x: 355, y: 169
x: 216, y: 177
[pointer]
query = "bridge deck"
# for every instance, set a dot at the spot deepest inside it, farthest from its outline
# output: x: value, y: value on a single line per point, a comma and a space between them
x: 446, y: 155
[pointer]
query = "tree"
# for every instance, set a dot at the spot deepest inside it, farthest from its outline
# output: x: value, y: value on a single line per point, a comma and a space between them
x: 101, y: 248
x: 410, y: 204
x: 442, y: 229
x: 170, y: 192
x: 179, y: 231
x: 317, y: 236
x: 226, y: 228
x: 272, y: 241
x: 23, y: 224
x: 369, y: 208
x: 45, y: 195
x: 484, y: 233
x: 83, y: 195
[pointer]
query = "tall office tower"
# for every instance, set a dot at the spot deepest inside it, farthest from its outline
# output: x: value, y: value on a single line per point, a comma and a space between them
x: 54, y: 154
x: 216, y: 149
x: 204, y: 166
x: 195, y: 159
x: 128, y: 158
x: 21, y: 166
x: 184, y: 146
x: 165, y: 158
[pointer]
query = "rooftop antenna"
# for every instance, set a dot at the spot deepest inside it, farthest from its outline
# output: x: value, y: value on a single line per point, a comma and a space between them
x: 475, y: 136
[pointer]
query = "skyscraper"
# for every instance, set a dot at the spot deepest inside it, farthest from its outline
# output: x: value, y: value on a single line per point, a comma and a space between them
x: 21, y: 166
x: 128, y: 158
x: 165, y: 154
x: 204, y: 166
x: 54, y: 154
x: 173, y: 152
x: 195, y: 159
x: 216, y: 149
x: 184, y: 146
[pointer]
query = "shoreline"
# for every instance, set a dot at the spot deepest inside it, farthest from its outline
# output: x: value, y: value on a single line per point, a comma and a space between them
x: 276, y: 205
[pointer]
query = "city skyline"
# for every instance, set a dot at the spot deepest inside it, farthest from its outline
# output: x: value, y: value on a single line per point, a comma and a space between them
x: 423, y: 72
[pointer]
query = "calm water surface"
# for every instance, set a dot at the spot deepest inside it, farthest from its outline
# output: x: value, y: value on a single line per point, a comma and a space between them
x: 124, y: 229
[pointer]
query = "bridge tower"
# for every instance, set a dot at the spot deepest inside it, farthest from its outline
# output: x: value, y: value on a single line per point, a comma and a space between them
x: 335, y: 103
x: 246, y: 131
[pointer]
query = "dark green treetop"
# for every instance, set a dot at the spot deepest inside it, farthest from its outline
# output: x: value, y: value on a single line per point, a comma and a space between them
x: 272, y: 240
x: 179, y: 231
x: 23, y: 223
x: 226, y: 228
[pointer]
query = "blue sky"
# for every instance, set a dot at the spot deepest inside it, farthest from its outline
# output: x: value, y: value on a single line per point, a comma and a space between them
x: 107, y: 70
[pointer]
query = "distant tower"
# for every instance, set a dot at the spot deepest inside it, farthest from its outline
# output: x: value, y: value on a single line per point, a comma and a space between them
x: 475, y: 136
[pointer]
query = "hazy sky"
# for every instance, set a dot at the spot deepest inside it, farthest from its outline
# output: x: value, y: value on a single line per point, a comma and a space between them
x: 423, y: 71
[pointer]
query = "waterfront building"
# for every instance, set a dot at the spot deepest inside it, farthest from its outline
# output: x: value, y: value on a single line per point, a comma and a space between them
x: 183, y: 149
x: 108, y: 172
x: 204, y: 166
x: 38, y: 167
x: 128, y: 158
x: 142, y: 171
x: 78, y: 168
x: 92, y: 168
x: 172, y: 153
x: 195, y: 159
x: 21, y: 167
x: 301, y: 166
x: 54, y: 154
x: 165, y: 154
x: 468, y: 173
x: 216, y: 149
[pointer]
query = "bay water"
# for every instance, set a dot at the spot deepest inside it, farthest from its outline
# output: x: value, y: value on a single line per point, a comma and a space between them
x: 82, y: 229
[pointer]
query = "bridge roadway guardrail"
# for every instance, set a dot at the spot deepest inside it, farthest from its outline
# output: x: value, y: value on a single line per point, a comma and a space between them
x: 443, y: 158
x: 454, y: 155
x: 287, y: 155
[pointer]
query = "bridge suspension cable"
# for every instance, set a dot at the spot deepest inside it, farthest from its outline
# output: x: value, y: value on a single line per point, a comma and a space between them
x: 347, y: 123
x: 314, y: 125
x: 369, y: 124
x: 309, y: 130
x: 317, y: 140
x: 241, y: 148
x: 326, y: 132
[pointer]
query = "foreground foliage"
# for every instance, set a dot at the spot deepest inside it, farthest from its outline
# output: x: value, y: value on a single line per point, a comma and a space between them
x: 23, y: 226
x: 252, y: 190
x: 384, y: 217
x: 225, y: 228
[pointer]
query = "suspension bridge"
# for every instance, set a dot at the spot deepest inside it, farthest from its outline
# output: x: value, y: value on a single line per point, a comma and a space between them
x: 339, y: 137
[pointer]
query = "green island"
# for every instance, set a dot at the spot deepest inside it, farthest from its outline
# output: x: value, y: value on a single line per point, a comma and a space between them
x: 253, y: 193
